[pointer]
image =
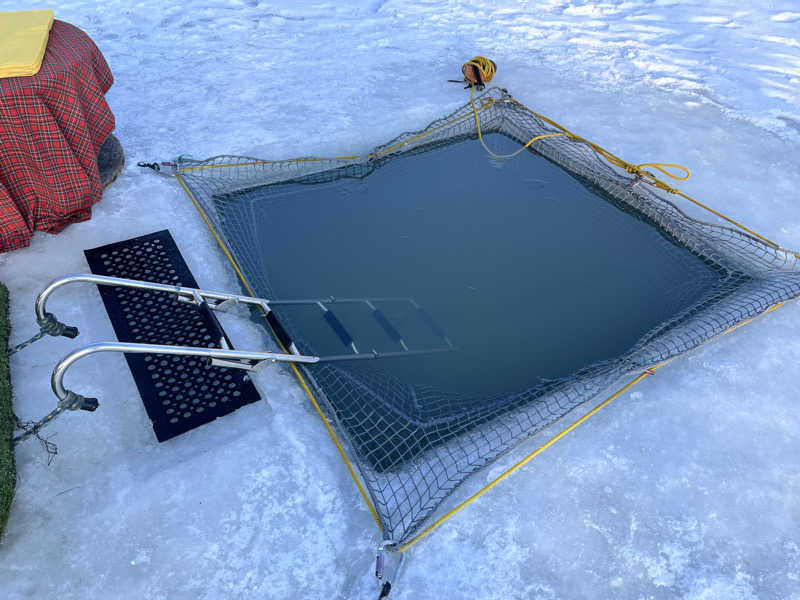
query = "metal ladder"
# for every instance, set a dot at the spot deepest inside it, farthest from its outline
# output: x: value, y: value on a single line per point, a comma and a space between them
x: 226, y: 356
x: 379, y: 317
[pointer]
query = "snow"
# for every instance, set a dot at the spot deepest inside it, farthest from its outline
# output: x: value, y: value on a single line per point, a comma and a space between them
x: 686, y: 488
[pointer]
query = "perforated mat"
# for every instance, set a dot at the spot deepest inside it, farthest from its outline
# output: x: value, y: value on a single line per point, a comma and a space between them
x: 178, y: 392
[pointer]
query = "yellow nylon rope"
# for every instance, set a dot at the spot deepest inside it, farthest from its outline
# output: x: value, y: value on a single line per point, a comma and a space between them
x: 560, y: 435
x: 265, y: 162
x: 646, y: 176
x: 421, y: 135
x: 296, y: 371
x: 525, y: 460
x: 485, y: 66
x: 637, y: 170
x: 480, y: 133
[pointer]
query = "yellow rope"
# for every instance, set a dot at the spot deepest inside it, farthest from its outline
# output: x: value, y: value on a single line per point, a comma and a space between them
x: 647, y: 176
x: 525, y: 460
x: 560, y: 435
x: 423, y: 134
x: 296, y: 371
x: 214, y: 233
x: 637, y: 170
x: 480, y: 133
x: 661, y: 167
x: 335, y: 439
x: 266, y: 162
x: 485, y: 67
x: 750, y: 320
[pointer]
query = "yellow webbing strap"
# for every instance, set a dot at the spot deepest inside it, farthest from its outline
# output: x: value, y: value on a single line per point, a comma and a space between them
x: 296, y: 371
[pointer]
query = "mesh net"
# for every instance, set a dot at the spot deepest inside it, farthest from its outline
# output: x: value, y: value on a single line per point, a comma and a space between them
x: 414, y: 437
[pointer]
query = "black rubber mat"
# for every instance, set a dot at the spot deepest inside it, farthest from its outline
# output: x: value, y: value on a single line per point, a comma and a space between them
x: 178, y: 392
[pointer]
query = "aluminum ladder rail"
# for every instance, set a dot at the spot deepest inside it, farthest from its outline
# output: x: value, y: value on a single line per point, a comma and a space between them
x: 225, y: 356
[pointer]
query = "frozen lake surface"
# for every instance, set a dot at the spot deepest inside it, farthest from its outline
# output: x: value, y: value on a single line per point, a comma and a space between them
x: 685, y: 488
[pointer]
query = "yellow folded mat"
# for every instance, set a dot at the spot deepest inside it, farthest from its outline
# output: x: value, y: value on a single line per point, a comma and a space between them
x: 23, y: 39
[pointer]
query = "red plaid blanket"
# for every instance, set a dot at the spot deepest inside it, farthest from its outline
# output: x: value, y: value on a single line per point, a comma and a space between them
x: 51, y: 128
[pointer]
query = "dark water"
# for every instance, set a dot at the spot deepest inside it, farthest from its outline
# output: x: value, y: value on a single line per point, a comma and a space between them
x: 529, y: 273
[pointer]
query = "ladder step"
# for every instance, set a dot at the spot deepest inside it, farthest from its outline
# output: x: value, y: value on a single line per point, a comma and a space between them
x: 337, y: 326
x: 428, y: 320
x: 387, y: 326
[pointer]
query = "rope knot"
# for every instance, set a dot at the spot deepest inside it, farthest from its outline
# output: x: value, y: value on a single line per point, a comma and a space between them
x: 663, y: 186
x: 633, y: 169
x: 49, y: 325
x: 73, y: 401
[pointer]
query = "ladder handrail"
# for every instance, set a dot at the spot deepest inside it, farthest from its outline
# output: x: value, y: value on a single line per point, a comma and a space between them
x: 222, y: 357
x: 214, y: 299
x: 248, y: 360
x: 186, y: 294
x: 220, y: 300
x: 233, y: 356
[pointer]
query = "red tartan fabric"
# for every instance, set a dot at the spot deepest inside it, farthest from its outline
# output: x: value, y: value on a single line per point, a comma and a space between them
x: 51, y: 127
